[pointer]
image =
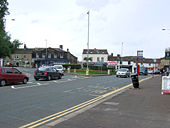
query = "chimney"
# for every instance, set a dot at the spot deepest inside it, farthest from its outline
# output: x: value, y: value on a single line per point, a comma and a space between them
x: 61, y: 47
x: 68, y: 50
x: 111, y: 54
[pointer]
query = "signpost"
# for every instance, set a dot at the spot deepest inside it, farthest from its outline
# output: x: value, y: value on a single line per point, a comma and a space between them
x: 139, y: 55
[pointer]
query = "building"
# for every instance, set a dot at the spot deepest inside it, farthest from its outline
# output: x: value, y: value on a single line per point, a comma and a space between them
x: 32, y: 57
x: 131, y: 62
x: 95, y: 55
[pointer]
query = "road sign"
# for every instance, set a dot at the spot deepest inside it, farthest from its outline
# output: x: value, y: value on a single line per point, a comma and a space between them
x: 165, y: 84
x: 140, y: 53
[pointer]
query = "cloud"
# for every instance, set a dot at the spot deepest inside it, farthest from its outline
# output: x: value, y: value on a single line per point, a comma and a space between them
x: 95, y: 5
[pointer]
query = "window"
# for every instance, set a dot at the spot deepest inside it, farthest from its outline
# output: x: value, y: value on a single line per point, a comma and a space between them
x: 8, y: 70
x: 91, y: 59
x: 98, y: 59
x: 43, y: 55
x: 16, y: 57
x: 16, y: 71
x: 61, y: 55
x: 55, y: 56
x: 49, y: 55
x: 102, y: 59
x: 24, y: 56
x: 37, y: 55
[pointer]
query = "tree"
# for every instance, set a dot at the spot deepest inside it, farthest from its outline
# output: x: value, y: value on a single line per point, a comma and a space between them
x: 89, y: 59
x: 6, y: 46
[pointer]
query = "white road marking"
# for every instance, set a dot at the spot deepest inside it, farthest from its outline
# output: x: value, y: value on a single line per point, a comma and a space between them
x: 27, y: 86
x: 56, y: 81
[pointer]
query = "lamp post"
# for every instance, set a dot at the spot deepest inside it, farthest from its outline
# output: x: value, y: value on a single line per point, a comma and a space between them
x: 165, y: 29
x: 46, y: 53
x: 87, y: 69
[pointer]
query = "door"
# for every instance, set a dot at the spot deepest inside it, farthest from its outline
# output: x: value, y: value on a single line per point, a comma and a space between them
x: 17, y: 75
x: 8, y: 75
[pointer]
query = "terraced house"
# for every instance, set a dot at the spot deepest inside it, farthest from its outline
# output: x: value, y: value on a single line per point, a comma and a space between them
x: 32, y: 57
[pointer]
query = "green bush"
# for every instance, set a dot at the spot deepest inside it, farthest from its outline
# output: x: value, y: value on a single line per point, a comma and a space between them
x: 72, y: 66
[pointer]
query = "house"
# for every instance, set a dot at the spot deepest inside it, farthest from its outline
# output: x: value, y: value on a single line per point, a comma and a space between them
x: 131, y: 62
x: 95, y: 55
x: 33, y: 57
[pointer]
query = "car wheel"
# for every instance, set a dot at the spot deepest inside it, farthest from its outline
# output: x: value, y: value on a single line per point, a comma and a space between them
x: 49, y: 78
x: 59, y: 77
x: 3, y: 82
x: 25, y: 81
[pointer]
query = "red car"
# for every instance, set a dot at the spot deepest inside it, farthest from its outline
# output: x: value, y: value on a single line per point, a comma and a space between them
x: 11, y: 75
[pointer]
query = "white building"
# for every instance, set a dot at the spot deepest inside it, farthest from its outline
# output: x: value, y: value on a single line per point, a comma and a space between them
x: 95, y: 55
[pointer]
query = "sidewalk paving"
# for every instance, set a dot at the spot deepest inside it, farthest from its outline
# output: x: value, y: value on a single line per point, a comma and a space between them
x: 135, y: 108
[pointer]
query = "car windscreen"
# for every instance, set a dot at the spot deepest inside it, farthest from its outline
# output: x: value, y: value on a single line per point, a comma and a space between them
x: 58, y: 67
x: 143, y: 68
x: 123, y: 69
x: 44, y: 69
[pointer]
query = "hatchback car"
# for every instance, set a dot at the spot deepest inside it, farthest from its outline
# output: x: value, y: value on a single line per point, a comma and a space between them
x: 123, y: 72
x: 11, y: 75
x: 46, y: 72
x: 59, y: 68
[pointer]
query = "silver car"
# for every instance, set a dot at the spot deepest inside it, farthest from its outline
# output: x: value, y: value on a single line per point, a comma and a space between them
x: 123, y: 72
x: 59, y: 68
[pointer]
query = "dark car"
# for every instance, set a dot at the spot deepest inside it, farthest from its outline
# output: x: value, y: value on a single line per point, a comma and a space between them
x: 11, y: 75
x: 47, y: 73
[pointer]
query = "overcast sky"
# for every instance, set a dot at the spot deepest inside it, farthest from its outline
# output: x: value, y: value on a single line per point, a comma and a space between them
x: 136, y: 23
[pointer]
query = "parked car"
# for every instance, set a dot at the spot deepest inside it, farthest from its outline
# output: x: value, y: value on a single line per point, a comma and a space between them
x: 143, y: 71
x: 157, y: 72
x: 10, y: 65
x: 46, y: 72
x: 123, y: 72
x: 59, y: 68
x: 150, y: 71
x: 11, y: 75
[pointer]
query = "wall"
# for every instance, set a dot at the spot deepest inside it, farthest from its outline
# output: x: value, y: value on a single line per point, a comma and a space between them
x: 94, y: 56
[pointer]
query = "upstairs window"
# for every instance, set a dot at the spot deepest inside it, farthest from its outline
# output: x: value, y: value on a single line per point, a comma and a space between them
x: 37, y: 55
x: 98, y: 59
x: 49, y: 55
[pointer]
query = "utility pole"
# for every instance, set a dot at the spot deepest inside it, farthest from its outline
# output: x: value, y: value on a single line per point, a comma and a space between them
x: 87, y: 70
x: 46, y: 53
x: 121, y: 60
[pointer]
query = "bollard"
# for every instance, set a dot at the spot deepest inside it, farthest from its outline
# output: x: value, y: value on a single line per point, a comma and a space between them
x: 108, y: 72
x: 68, y: 70
x: 87, y: 72
x: 74, y: 70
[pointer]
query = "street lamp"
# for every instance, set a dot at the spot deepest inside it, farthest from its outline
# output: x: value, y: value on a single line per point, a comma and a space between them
x: 87, y: 69
x: 165, y: 29
x: 46, y: 53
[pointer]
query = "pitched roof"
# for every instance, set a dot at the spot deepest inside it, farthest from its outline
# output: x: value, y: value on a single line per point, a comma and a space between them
x: 95, y: 51
x: 24, y: 51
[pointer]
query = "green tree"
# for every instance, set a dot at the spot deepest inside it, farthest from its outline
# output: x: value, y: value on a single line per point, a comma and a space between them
x: 89, y: 59
x: 6, y: 46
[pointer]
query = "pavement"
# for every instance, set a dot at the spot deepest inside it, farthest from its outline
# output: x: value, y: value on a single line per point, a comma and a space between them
x: 134, y: 108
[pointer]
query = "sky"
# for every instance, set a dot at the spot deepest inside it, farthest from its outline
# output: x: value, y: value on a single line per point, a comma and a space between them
x: 120, y: 26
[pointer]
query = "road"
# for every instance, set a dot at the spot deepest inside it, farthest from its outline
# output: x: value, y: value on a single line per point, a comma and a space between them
x: 22, y: 104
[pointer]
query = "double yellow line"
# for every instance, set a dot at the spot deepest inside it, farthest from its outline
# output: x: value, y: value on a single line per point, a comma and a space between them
x: 73, y: 109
